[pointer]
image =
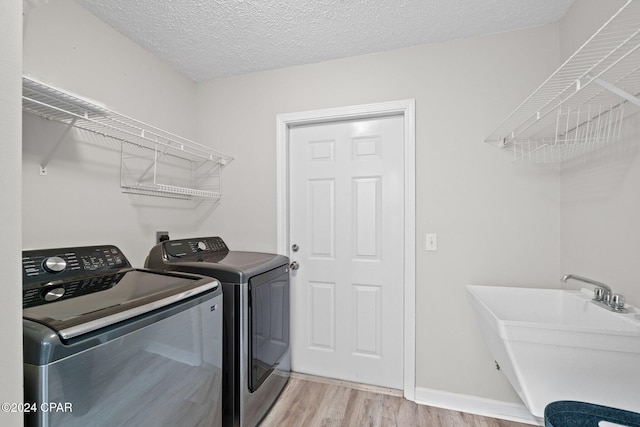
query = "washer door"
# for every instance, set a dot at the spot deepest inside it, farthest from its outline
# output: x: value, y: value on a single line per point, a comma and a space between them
x: 268, y: 323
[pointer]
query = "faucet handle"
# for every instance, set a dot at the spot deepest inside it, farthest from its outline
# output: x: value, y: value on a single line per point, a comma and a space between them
x: 599, y: 293
x: 617, y: 302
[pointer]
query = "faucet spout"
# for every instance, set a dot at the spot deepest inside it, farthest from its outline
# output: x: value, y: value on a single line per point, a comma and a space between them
x: 587, y: 280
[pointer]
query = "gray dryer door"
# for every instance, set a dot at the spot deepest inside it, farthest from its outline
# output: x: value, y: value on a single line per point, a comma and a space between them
x: 269, y: 323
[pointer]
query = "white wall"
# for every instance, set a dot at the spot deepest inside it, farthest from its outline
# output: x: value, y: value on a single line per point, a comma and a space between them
x: 497, y: 223
x: 79, y: 202
x: 600, y: 197
x: 10, y: 275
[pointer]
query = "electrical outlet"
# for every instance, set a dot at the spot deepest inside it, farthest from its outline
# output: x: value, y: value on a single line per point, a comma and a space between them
x: 161, y: 236
x: 431, y: 241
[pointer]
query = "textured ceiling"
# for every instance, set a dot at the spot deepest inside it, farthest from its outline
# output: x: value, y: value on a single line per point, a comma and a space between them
x: 208, y: 39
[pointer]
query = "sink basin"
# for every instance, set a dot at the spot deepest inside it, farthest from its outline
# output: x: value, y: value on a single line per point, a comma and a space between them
x: 556, y: 344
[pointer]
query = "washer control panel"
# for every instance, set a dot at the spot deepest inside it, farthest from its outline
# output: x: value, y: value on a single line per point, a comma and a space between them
x: 182, y: 248
x: 51, y: 274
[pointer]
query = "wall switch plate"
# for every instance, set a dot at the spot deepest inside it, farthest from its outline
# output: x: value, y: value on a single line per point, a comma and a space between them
x: 431, y: 241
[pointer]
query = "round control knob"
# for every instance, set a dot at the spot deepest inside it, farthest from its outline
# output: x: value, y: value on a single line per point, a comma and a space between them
x: 53, y: 294
x: 201, y: 246
x: 55, y: 264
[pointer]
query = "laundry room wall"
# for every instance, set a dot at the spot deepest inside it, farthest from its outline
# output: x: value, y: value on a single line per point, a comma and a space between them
x: 79, y: 201
x: 600, y: 197
x: 497, y: 222
x: 10, y: 164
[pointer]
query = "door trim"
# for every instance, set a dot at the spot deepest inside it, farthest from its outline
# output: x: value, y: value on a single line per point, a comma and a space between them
x: 406, y: 108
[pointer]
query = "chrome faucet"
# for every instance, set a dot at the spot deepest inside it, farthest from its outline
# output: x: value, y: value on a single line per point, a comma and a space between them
x: 602, y: 293
x: 606, y: 290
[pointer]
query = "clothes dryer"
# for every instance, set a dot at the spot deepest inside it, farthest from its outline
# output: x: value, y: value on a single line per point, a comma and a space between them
x: 256, y: 359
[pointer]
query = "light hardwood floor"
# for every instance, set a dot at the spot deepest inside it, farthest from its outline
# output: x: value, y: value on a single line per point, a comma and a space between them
x: 315, y: 402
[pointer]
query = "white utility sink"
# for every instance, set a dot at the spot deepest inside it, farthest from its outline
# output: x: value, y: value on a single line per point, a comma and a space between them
x: 555, y: 344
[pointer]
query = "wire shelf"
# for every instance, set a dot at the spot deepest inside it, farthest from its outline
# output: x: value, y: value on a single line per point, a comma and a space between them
x: 604, y: 71
x: 149, y: 172
x: 156, y: 144
x: 578, y: 131
x: 163, y: 190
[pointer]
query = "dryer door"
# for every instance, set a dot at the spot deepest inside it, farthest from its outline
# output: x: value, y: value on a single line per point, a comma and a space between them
x: 268, y: 323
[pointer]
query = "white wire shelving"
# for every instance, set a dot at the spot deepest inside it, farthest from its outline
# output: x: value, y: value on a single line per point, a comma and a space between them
x: 153, y: 161
x: 582, y: 105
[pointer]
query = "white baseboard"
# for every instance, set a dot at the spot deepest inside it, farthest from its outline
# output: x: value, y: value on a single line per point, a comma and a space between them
x: 476, y: 405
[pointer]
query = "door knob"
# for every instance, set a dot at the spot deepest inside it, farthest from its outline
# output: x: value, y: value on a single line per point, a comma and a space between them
x: 294, y: 265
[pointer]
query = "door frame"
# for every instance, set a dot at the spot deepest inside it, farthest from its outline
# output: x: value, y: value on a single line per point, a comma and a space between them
x: 405, y: 108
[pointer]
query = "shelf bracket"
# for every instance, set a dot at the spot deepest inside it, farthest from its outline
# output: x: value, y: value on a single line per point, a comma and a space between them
x: 621, y: 93
x: 45, y: 162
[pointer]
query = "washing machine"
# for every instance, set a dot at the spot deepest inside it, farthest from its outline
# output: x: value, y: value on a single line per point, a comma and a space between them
x: 255, y: 286
x: 110, y: 345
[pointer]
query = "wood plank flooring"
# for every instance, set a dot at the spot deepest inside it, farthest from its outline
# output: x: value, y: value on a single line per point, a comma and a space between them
x: 312, y: 402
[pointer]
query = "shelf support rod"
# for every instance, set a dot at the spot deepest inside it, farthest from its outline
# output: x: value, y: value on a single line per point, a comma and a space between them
x: 152, y: 165
x: 621, y: 93
x: 47, y: 159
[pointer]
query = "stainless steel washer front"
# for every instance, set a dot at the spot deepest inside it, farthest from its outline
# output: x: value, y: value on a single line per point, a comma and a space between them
x: 109, y: 345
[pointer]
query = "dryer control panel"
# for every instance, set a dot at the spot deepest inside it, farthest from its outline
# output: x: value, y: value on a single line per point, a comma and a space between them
x: 181, y: 248
x: 50, y: 274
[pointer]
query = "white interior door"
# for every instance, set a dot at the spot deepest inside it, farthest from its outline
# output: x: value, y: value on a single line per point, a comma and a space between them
x: 346, y: 217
